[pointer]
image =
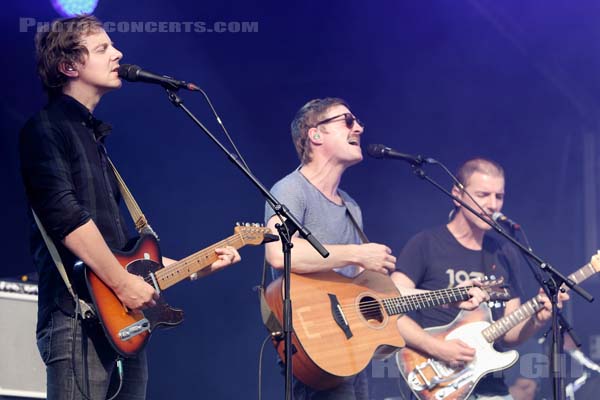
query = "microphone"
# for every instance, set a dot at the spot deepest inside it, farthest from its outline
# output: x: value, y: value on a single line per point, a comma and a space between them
x: 503, y: 219
x: 134, y: 73
x: 381, y: 151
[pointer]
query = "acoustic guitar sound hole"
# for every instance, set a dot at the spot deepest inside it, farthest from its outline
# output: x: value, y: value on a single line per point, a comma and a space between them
x: 370, y: 309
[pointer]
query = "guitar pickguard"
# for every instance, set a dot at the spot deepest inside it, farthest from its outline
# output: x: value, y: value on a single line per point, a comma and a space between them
x: 435, y: 380
x: 162, y: 313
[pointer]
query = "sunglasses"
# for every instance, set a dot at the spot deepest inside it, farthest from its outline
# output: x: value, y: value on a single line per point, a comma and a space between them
x: 349, y: 119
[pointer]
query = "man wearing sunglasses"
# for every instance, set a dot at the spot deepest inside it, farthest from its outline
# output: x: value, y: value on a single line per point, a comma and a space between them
x: 327, y: 139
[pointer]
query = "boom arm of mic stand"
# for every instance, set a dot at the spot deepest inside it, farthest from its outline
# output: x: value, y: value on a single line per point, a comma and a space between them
x: 279, y: 209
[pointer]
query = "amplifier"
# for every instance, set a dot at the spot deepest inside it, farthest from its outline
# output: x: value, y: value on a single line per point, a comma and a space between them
x: 22, y: 372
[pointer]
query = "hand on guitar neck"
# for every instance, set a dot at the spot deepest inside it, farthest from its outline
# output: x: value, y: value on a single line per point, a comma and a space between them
x: 529, y: 327
x: 226, y: 256
x: 543, y: 315
x: 478, y: 296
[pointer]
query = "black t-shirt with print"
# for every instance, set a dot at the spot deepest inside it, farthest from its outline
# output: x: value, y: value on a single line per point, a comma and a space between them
x: 434, y: 259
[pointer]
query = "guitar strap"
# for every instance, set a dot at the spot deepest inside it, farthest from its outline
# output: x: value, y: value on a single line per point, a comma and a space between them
x: 141, y: 225
x: 138, y: 217
x: 269, y: 319
x: 361, y: 233
x: 82, y: 307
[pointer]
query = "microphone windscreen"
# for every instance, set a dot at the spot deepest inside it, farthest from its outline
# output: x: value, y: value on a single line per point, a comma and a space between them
x: 376, y: 150
x: 129, y: 72
x: 498, y: 216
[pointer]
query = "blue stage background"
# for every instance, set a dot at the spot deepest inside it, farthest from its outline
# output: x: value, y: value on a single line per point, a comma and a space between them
x: 515, y: 81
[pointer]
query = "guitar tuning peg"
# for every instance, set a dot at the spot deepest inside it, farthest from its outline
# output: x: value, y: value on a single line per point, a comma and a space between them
x: 493, y: 277
x: 237, y: 224
x: 247, y: 223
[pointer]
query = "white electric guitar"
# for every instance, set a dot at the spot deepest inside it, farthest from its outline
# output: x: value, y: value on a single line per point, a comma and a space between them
x: 431, y: 379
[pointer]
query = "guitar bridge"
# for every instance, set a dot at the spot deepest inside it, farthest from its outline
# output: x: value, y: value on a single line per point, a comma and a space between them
x: 338, y: 316
x: 428, y: 375
x: 134, y: 329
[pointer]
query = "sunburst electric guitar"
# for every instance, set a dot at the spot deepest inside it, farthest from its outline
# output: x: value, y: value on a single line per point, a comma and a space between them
x: 341, y: 323
x: 127, y: 330
x: 431, y: 379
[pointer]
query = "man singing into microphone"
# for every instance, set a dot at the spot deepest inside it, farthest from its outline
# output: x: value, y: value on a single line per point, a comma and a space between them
x: 327, y: 138
x: 75, y: 195
x: 445, y: 256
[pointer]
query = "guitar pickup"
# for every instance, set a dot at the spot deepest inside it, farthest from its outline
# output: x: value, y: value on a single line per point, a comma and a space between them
x: 134, y: 329
x: 338, y: 315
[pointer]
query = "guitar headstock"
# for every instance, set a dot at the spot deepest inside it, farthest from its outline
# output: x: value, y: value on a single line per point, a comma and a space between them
x: 595, y: 261
x: 254, y: 234
x: 495, y: 289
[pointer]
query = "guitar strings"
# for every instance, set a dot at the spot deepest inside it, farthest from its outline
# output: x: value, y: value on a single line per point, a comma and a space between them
x: 171, y: 273
x: 410, y: 300
x: 376, y: 305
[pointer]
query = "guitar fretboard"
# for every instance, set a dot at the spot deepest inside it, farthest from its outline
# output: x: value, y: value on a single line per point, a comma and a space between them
x: 404, y: 304
x: 182, y: 269
x: 529, y: 308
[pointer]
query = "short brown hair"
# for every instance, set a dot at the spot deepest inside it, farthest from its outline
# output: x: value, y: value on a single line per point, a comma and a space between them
x: 306, y: 118
x: 61, y: 42
x: 478, y: 164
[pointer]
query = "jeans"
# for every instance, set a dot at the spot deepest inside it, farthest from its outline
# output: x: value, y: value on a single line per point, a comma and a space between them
x: 86, y: 369
x: 483, y: 397
x: 353, y: 388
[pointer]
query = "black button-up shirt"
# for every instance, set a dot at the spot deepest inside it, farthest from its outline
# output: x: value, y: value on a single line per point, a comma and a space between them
x: 67, y: 182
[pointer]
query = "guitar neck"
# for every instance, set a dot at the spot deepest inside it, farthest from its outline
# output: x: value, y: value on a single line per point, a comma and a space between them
x: 532, y: 306
x: 404, y: 304
x: 180, y: 270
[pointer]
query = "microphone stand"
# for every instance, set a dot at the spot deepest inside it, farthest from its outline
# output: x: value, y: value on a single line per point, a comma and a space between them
x: 286, y: 231
x: 552, y: 286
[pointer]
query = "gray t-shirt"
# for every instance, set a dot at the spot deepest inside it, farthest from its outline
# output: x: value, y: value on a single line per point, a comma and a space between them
x: 327, y: 221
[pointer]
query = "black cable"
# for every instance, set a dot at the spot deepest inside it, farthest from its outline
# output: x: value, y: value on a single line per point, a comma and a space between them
x: 119, y: 360
x: 260, y: 358
x: 74, y: 328
x: 223, y: 128
x: 120, y: 372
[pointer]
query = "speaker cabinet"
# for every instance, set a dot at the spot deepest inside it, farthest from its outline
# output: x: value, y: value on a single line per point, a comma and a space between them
x: 22, y: 372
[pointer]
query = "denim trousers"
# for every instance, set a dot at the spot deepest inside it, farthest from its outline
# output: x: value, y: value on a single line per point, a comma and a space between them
x: 81, y: 364
x: 353, y: 388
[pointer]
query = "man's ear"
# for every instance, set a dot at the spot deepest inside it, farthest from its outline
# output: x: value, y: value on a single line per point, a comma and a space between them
x: 314, y: 136
x: 68, y: 69
x: 457, y: 192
